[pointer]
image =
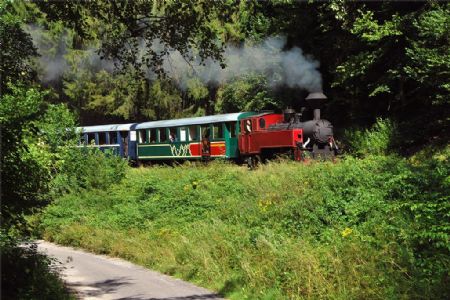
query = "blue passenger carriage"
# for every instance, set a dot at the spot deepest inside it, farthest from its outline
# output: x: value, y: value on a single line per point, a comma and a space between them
x: 119, y: 139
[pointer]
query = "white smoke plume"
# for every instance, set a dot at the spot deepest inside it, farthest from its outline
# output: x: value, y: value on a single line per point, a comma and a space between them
x: 291, y: 68
x: 52, y: 50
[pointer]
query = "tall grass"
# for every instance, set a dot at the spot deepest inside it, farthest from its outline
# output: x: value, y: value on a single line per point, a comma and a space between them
x: 340, y: 230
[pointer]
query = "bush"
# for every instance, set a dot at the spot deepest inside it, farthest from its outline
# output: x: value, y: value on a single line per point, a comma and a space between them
x: 378, y: 140
x: 84, y: 168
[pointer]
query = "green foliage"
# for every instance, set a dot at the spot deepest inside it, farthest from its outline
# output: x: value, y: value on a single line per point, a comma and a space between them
x: 197, y: 90
x: 378, y: 140
x: 246, y: 94
x: 24, y: 171
x: 17, y: 48
x: 166, y: 100
x: 84, y: 168
x: 430, y: 210
x: 399, y: 58
x: 429, y: 53
x: 368, y: 29
x: 179, y: 25
x: 27, y: 274
x: 57, y: 127
x: 359, y: 228
x: 31, y: 138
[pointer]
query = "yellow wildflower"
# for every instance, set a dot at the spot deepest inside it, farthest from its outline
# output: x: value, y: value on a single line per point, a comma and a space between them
x: 346, y: 232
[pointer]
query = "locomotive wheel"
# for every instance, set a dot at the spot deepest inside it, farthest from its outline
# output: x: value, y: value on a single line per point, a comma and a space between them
x: 249, y: 161
x: 254, y: 161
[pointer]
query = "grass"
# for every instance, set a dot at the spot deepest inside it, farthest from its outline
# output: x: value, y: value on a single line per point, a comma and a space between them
x: 285, y: 231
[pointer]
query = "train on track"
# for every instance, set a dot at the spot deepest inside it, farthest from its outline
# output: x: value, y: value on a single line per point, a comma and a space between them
x: 244, y: 136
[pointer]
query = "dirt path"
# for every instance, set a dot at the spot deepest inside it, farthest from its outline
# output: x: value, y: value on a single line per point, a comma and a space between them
x: 100, y: 277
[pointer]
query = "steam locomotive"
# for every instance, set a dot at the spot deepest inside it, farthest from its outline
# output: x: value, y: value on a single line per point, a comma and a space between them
x: 246, y: 136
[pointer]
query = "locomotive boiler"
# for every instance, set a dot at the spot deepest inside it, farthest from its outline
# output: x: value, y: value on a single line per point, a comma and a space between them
x: 265, y: 135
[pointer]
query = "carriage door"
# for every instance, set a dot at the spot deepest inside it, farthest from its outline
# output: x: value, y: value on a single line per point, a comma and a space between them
x: 205, y: 145
x: 124, y: 143
x: 247, y: 130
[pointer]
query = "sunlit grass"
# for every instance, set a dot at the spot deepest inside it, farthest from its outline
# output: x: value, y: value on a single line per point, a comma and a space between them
x: 284, y: 231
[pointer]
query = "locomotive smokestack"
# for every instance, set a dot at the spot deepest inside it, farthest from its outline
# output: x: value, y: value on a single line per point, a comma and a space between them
x: 315, y: 102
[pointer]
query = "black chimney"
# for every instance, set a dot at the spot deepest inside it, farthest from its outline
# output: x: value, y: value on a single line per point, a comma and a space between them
x: 315, y: 102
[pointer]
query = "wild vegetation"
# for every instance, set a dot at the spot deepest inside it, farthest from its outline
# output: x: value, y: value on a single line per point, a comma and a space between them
x: 357, y: 228
x: 374, y: 224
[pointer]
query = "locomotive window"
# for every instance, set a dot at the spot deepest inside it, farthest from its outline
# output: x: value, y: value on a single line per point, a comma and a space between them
x: 192, y: 133
x: 153, y: 135
x: 162, y: 135
x: 204, y: 131
x: 102, y: 138
x: 217, y: 131
x: 231, y: 126
x: 262, y: 123
x: 113, y: 138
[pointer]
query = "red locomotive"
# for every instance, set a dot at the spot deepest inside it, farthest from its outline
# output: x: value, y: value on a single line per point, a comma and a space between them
x: 265, y: 135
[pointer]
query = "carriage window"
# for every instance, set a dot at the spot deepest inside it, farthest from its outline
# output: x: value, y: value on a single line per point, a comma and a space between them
x: 204, y: 131
x: 217, y: 131
x: 102, y: 138
x: 262, y: 123
x: 173, y: 135
x: 112, y: 138
x: 183, y: 135
x: 91, y: 138
x: 153, y: 135
x: 142, y: 137
x: 82, y: 140
x: 231, y: 126
x: 162, y: 135
x: 192, y: 133
x: 124, y: 136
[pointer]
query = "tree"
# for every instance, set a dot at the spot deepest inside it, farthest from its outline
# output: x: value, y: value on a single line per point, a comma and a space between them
x: 17, y: 49
x: 130, y: 26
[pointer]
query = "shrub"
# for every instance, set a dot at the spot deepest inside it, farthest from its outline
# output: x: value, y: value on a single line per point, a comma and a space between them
x: 377, y: 140
x: 84, y: 168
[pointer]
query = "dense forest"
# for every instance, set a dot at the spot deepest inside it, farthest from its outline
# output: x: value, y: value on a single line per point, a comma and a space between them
x: 385, y: 67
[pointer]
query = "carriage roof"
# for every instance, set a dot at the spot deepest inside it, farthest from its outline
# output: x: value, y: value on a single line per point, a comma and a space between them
x: 105, y: 128
x: 194, y: 121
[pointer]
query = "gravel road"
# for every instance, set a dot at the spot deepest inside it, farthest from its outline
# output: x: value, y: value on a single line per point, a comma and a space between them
x: 101, y: 277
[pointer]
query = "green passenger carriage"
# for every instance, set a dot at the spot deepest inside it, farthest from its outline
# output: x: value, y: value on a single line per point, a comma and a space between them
x: 190, y: 138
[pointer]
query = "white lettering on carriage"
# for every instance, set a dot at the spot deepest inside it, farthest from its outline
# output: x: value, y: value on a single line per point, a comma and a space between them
x: 182, y: 150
